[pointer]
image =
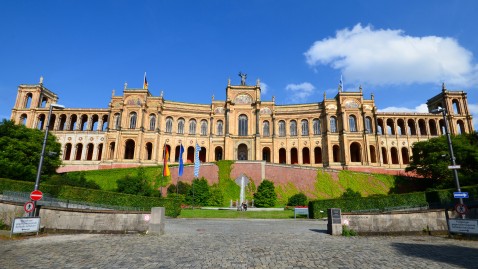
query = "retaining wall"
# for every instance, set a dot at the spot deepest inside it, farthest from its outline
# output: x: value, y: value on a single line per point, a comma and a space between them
x: 62, y: 220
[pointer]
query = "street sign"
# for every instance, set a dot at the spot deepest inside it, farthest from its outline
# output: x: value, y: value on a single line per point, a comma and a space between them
x: 29, y: 206
x: 454, y: 166
x: 461, y: 209
x: 460, y: 195
x: 25, y: 225
x: 36, y: 195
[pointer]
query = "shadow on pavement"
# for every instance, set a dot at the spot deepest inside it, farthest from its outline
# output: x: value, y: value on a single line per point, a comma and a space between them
x: 454, y: 255
x: 318, y: 231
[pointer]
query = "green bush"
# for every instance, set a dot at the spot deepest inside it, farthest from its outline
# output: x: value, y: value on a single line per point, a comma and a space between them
x: 265, y: 195
x: 172, y: 204
x: 76, y: 180
x: 298, y: 199
x: 216, y: 198
x: 346, y: 231
x: 199, y: 193
x: 349, y: 193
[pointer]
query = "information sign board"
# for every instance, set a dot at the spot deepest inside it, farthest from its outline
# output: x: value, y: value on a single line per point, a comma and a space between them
x: 460, y: 194
x: 464, y: 226
x: 26, y: 225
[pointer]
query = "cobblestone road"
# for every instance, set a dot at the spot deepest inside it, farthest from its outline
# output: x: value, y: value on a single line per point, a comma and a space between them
x: 238, y: 244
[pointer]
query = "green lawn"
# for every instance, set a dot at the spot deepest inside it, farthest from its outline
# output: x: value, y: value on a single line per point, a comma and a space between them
x: 233, y: 214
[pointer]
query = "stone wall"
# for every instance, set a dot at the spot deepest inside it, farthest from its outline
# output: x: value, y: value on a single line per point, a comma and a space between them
x: 398, y: 222
x: 62, y: 220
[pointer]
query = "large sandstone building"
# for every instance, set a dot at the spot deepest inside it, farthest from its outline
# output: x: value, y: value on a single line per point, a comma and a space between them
x: 345, y: 131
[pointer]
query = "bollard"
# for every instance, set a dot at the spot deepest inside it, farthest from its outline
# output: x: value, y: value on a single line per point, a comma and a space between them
x: 156, y: 224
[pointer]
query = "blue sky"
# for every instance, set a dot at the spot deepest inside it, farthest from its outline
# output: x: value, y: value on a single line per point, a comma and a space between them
x: 401, y: 51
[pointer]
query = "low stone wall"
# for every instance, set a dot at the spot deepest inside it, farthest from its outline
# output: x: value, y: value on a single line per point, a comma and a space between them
x: 398, y: 222
x: 64, y: 220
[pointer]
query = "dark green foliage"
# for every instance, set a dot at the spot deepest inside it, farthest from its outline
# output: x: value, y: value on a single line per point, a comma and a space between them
x: 349, y: 193
x: 182, y: 188
x: 198, y: 195
x: 265, y: 195
x: 76, y: 180
x: 346, y: 231
x: 20, y: 150
x: 434, y: 199
x: 431, y: 159
x: 216, y: 198
x: 137, y: 185
x: 224, y: 169
x: 172, y: 204
x: 298, y: 199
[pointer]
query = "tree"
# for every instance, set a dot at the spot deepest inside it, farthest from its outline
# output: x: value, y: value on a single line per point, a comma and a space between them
x: 265, y: 195
x: 20, y: 149
x: 199, y: 192
x: 349, y: 193
x: 431, y: 159
x: 138, y: 185
x: 297, y: 199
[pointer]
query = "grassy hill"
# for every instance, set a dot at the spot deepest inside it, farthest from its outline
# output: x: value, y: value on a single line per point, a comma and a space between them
x: 327, y: 184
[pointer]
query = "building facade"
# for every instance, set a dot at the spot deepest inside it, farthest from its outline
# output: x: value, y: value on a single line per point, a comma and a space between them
x: 339, y: 132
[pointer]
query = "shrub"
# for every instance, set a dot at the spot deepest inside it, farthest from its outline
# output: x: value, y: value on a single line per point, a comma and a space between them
x: 298, y: 199
x: 349, y: 193
x: 216, y: 198
x: 346, y: 231
x: 265, y: 195
x: 199, y: 192
x: 138, y: 185
x: 76, y: 180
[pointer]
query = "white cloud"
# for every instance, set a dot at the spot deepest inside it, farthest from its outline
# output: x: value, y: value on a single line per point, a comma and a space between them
x: 423, y: 108
x: 300, y: 92
x: 385, y: 57
x: 264, y: 88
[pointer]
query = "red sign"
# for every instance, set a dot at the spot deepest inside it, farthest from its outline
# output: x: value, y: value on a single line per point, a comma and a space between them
x: 29, y: 206
x: 461, y: 209
x: 36, y: 195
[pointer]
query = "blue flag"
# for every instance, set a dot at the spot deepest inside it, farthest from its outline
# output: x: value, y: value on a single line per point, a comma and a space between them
x: 181, y: 164
x: 196, y: 160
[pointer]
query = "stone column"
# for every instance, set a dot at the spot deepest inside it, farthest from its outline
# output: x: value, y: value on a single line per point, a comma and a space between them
x: 156, y: 224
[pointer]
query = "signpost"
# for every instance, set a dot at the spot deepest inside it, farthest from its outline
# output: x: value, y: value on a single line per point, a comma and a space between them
x: 29, y: 206
x: 460, y: 194
x: 36, y: 195
x: 461, y: 209
x: 25, y: 225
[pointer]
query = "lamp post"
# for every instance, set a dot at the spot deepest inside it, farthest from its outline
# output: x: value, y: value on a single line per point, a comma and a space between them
x: 42, y: 154
x: 450, y: 148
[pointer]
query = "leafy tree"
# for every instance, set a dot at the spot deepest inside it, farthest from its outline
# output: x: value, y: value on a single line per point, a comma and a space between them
x: 182, y: 188
x: 199, y: 192
x: 20, y: 149
x: 216, y: 198
x: 349, y: 193
x: 138, y: 185
x: 297, y: 199
x: 265, y: 195
x: 431, y: 159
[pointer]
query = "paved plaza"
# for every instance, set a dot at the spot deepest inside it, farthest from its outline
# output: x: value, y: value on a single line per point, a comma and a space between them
x: 193, y: 243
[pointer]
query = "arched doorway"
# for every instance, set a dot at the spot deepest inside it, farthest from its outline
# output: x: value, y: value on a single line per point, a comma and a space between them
x: 305, y: 156
x: 336, y: 153
x: 242, y: 152
x: 129, y: 149
x: 266, y: 154
x: 318, y: 155
x: 202, y: 155
x: 294, y: 158
x: 355, y: 152
x: 282, y: 156
x: 218, y: 154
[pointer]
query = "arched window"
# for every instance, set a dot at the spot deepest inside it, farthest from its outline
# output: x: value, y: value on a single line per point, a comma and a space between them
x: 84, y: 123
x: 105, y: 123
x: 67, y: 152
x: 129, y: 149
x: 242, y: 125
x: 149, y: 150
x: 368, y: 125
x: 219, y: 128
x: 265, y: 128
x: 169, y: 125
x: 281, y: 128
x: 192, y: 127
x: 132, y: 120
x: 305, y: 127
x: 390, y: 127
x: 316, y: 126
x: 266, y: 154
x: 152, y: 122
x: 203, y: 127
x: 352, y: 123
x: 28, y: 100
x: 181, y: 126
x: 456, y: 107
x: 293, y: 128
x: 23, y: 119
x: 333, y: 124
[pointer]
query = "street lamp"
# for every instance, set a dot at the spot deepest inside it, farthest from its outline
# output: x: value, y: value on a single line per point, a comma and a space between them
x: 450, y: 148
x: 40, y: 164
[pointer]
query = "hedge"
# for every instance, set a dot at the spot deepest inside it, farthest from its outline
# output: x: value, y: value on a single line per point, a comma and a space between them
x: 172, y: 205
x: 434, y: 199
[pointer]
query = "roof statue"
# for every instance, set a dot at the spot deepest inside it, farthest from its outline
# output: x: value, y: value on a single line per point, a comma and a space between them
x: 41, y: 79
x: 243, y: 78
